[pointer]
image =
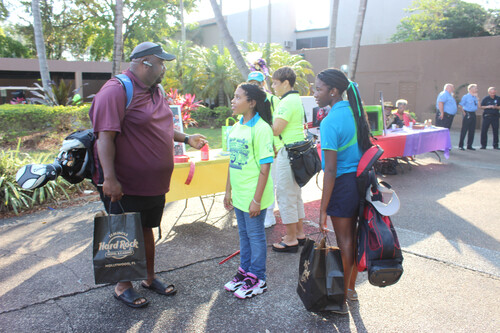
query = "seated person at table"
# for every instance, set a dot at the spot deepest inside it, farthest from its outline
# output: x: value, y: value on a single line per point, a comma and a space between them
x: 404, y: 117
x: 389, y: 117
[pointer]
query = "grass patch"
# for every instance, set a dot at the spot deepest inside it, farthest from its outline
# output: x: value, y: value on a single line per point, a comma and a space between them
x: 213, y: 136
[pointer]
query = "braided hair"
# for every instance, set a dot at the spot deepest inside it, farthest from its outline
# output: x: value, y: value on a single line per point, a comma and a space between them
x: 334, y: 78
x: 262, y: 104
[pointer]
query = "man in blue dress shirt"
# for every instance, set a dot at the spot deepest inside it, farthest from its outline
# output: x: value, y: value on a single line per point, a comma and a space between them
x: 490, y: 105
x: 468, y: 104
x: 446, y: 106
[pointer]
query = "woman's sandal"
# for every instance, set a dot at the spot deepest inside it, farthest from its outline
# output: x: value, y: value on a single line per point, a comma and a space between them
x: 286, y: 248
x: 301, y: 241
x: 158, y: 286
x: 129, y: 296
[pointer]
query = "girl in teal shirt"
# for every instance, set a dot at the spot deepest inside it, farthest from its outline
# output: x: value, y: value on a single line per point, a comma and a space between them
x: 345, y: 135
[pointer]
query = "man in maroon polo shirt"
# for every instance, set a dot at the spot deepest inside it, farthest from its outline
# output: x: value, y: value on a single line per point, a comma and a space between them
x: 135, y: 149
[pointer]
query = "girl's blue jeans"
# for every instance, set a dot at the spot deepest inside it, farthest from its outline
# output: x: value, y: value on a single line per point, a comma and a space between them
x: 253, y: 246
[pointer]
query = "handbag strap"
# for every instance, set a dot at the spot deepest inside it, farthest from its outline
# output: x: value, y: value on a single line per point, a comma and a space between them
x: 305, y: 119
x: 230, y: 118
x: 327, y: 241
x: 119, y: 203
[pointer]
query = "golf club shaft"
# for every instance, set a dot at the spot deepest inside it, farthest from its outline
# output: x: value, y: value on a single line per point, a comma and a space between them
x: 231, y: 256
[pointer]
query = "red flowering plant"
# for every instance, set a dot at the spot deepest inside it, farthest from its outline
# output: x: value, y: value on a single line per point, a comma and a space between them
x: 187, y: 104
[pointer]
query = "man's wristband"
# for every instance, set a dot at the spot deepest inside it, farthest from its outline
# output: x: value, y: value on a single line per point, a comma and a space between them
x: 255, y: 202
x: 186, y: 139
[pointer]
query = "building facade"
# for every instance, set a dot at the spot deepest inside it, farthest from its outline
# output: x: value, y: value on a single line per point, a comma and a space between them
x: 381, y: 19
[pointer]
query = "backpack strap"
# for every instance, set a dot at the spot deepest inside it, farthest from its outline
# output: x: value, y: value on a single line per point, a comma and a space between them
x: 128, y: 86
x: 162, y: 90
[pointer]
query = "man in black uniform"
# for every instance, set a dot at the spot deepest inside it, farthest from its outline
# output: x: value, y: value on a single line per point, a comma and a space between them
x: 490, y: 106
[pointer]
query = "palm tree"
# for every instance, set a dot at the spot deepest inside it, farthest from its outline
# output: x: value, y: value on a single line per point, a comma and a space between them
x: 186, y: 73
x: 118, y: 41
x: 40, y: 47
x: 229, y: 41
x: 301, y: 67
x: 333, y: 34
x: 222, y: 76
x: 279, y: 58
x: 353, y: 58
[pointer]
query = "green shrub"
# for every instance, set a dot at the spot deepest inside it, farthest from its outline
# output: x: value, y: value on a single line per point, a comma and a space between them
x: 14, y: 198
x: 32, y: 118
x: 11, y: 196
x: 207, y: 117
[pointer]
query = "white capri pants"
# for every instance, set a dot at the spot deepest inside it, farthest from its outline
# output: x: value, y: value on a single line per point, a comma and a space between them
x: 288, y: 192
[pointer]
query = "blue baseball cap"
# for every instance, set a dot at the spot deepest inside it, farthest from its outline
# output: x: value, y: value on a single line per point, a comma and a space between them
x: 256, y: 76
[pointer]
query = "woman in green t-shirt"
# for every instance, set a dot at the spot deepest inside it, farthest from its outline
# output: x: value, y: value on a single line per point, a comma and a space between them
x: 249, y: 187
x: 289, y: 128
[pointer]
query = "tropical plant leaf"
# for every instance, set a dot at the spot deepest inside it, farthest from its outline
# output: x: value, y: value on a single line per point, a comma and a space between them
x: 7, y: 196
x: 14, y: 190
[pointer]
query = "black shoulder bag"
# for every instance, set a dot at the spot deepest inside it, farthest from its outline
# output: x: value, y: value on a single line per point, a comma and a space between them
x: 304, y: 158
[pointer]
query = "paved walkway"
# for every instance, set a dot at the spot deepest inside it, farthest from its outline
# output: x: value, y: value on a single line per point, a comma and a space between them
x: 448, y: 226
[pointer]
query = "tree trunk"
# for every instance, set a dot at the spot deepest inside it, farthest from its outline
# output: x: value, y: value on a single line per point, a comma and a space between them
x: 40, y: 47
x: 249, y: 28
x: 353, y: 58
x: 183, y: 27
x: 221, y: 41
x: 333, y: 34
x: 180, y: 58
x: 221, y: 97
x: 268, y: 44
x: 229, y: 41
x: 118, y: 42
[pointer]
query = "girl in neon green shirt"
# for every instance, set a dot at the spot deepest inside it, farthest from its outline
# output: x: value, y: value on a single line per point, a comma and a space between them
x: 249, y: 187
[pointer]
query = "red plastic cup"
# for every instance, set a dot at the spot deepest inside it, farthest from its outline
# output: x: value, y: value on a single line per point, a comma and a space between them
x: 204, y: 152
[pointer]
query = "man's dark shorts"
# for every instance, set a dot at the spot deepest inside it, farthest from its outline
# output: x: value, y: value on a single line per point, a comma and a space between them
x: 150, y: 207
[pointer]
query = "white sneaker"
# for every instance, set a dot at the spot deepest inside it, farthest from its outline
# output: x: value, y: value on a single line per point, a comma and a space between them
x: 270, y: 220
x: 237, y: 281
x: 252, y: 287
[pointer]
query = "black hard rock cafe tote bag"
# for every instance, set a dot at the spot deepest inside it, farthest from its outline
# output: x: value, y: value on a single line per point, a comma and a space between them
x: 321, y: 277
x: 118, y: 250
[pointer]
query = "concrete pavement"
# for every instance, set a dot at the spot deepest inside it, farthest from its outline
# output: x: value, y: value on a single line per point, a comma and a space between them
x: 448, y: 226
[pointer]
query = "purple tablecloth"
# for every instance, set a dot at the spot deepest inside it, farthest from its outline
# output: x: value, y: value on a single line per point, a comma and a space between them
x: 426, y: 140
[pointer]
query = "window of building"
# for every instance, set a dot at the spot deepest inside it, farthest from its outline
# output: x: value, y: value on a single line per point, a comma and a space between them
x: 312, y: 42
x: 96, y: 76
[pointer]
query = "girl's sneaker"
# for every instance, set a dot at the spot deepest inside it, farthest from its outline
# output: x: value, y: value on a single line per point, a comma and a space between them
x: 252, y: 287
x: 237, y: 281
x: 352, y: 295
